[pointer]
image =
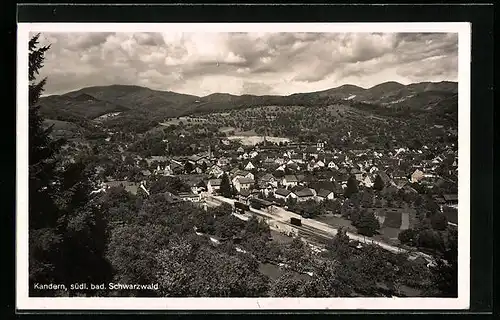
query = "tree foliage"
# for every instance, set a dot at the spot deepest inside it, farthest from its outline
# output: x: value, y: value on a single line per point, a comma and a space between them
x: 225, y: 186
x: 67, y: 231
x: 352, y: 187
x: 367, y: 223
x: 379, y: 183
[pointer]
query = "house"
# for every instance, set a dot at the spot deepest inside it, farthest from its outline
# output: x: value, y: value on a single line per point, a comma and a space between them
x: 171, y: 198
x: 337, y: 190
x: 249, y: 166
x: 213, y: 185
x: 284, y: 194
x: 325, y: 175
x: 253, y: 154
x: 244, y: 195
x: 268, y: 162
x: 269, y: 179
x: 398, y: 174
x: 194, y: 181
x: 332, y: 165
x: 451, y: 200
x: 319, y: 185
x: 367, y: 182
x: 188, y: 196
x: 399, y: 183
x: 240, y: 150
x: 416, y: 176
x: 266, y: 188
x: 167, y: 171
x: 281, y: 168
x: 290, y: 181
x: 305, y: 194
x: 279, y: 161
x: 297, y: 158
x: 373, y: 169
x: 215, y: 171
x: 146, y: 173
x: 198, y: 159
x: 241, y: 183
x: 159, y: 159
x: 357, y: 174
x: 324, y: 194
x: 293, y: 166
x: 385, y: 178
x: 310, y: 152
x: 221, y: 162
x: 241, y: 174
x: 437, y: 160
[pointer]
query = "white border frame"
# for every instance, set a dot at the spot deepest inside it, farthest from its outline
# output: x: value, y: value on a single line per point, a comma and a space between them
x: 24, y: 302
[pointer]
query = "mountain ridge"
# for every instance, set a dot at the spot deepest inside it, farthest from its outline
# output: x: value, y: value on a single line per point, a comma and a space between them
x: 344, y: 86
x: 95, y: 101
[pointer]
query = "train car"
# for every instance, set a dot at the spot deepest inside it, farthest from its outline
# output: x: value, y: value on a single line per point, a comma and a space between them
x: 241, y: 207
x: 296, y: 221
x: 260, y: 203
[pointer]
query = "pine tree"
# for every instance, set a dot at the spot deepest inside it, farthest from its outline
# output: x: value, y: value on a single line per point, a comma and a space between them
x: 378, y: 184
x: 225, y: 186
x: 67, y: 232
x: 352, y: 187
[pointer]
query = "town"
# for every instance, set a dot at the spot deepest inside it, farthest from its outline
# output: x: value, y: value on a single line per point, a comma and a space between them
x: 311, y: 181
x: 345, y: 192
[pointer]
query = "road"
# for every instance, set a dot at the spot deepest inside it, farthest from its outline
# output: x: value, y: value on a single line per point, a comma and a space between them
x: 320, y: 229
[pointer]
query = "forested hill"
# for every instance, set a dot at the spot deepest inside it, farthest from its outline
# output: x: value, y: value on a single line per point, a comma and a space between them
x: 136, y: 108
x: 95, y: 101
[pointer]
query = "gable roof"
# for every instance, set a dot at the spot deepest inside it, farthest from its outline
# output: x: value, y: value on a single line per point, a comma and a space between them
x: 323, y: 185
x: 214, y: 182
x: 291, y: 178
x: 355, y: 171
x: 267, y: 177
x: 305, y: 192
x: 311, y: 149
x: 323, y: 193
x: 385, y: 178
x: 245, y: 180
x: 171, y: 198
x: 244, y: 192
x: 282, y: 192
x: 450, y: 197
x: 241, y: 173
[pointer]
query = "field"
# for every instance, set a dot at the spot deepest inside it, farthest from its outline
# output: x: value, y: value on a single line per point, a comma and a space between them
x: 336, y: 222
x: 253, y: 140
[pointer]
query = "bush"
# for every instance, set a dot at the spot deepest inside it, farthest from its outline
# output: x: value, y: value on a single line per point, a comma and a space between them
x: 408, y: 236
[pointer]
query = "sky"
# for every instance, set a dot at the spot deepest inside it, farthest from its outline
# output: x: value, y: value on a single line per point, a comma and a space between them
x: 246, y: 63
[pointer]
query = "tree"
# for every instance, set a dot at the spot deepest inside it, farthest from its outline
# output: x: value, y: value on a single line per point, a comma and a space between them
x: 67, y: 230
x: 445, y: 274
x: 439, y: 221
x: 430, y: 239
x: 225, y: 186
x: 379, y: 183
x: 352, y: 187
x: 368, y: 224
x: 170, y: 184
x: 186, y: 270
x: 188, y: 167
x: 408, y: 236
x: 339, y: 245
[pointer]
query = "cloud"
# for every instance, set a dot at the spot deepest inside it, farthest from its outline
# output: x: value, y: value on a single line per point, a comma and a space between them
x: 240, y: 63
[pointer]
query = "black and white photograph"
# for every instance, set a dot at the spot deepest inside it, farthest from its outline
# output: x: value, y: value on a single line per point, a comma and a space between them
x: 272, y: 163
